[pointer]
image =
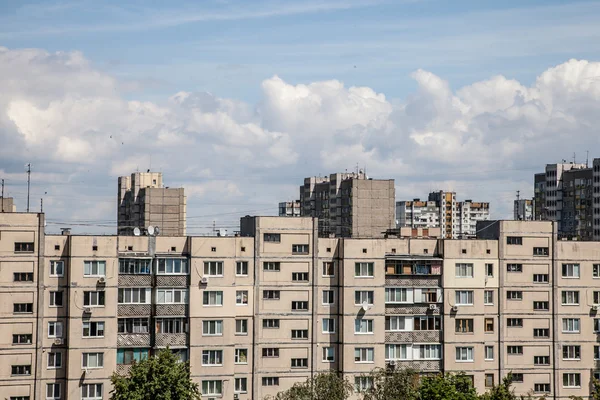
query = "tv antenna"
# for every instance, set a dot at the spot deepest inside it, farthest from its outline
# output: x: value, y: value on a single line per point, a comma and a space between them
x: 28, y: 183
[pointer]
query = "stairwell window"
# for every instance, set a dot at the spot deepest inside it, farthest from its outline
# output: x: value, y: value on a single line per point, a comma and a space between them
x: 328, y: 268
x: 328, y: 297
x: 328, y: 354
x: 328, y: 325
x: 514, y: 240
x: 54, y: 360
x: 570, y: 271
x: 52, y: 391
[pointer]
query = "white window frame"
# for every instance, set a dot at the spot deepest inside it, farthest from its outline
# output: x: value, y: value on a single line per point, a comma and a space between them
x: 213, y: 388
x: 51, y: 387
x: 214, y: 269
x: 489, y: 353
x: 398, y: 295
x: 575, y: 382
x: 240, y: 267
x: 596, y: 271
x: 89, y: 323
x: 207, y: 324
x: 239, y: 354
x: 330, y: 324
x: 365, y: 355
x: 239, y: 387
x: 368, y: 324
x: 93, y: 295
x: 132, y: 292
x: 464, y: 354
x: 241, y: 298
x: 95, y: 387
x: 572, y: 351
x: 328, y: 297
x: 364, y: 270
x: 364, y: 296
x: 428, y: 349
x: 212, y: 358
x: 574, y: 323
x: 167, y: 295
x: 463, y: 270
x: 486, y: 301
x: 206, y: 298
x: 54, y: 266
x: 326, y: 357
x: 363, y: 383
x: 571, y: 271
x: 98, y: 357
x: 407, y: 322
x: 396, y: 350
x: 469, y: 297
x: 56, y: 357
x: 52, y: 300
x: 241, y: 326
x: 570, y: 297
x: 90, y: 265
x: 324, y: 269
x: 57, y: 327
x: 170, y: 266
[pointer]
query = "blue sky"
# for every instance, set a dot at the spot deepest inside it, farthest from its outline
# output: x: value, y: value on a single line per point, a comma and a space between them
x: 237, y: 101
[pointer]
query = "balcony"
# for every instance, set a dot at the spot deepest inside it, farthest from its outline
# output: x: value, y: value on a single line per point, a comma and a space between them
x: 172, y: 280
x: 123, y: 369
x: 135, y: 280
x: 168, y: 310
x: 414, y: 337
x: 171, y: 340
x: 134, y: 310
x: 418, y: 365
x: 133, y: 340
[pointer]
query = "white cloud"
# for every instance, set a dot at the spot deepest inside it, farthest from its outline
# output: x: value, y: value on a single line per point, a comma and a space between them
x: 485, y: 139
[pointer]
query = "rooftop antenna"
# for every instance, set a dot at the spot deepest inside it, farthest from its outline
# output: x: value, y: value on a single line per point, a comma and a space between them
x: 41, y: 205
x: 587, y: 157
x: 573, y: 157
x: 28, y: 183
x: 2, y: 195
x: 518, y: 194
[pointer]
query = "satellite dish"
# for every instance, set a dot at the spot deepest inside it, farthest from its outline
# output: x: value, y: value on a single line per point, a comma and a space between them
x: 365, y: 306
x: 150, y: 230
x: 136, y: 231
x: 156, y: 231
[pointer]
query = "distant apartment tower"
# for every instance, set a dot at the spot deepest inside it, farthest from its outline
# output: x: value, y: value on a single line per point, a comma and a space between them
x: 523, y: 210
x: 289, y: 208
x: 455, y: 219
x: 349, y: 204
x: 143, y: 202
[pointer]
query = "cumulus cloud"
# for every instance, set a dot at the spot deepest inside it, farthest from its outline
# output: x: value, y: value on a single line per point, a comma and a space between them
x: 483, y: 140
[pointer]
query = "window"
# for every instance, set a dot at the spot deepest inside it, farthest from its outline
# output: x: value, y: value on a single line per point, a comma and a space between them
x: 22, y: 338
x: 428, y: 296
x: 489, y: 380
x: 514, y: 322
x: 464, y: 354
x: 540, y: 251
x: 20, y: 370
x: 488, y: 325
x: 596, y: 270
x: 570, y: 325
x: 92, y: 360
x: 133, y: 325
x: 212, y: 328
x: 398, y: 323
x: 274, y: 266
x: 541, y: 332
x: 328, y: 297
x: 94, y: 268
x: 271, y: 294
x: 135, y: 266
x: 23, y: 276
x: 540, y: 278
x: 514, y: 267
x: 212, y: 298
x: 363, y: 270
x: 328, y: 325
x: 489, y: 353
x: 21, y: 247
x: 363, y: 296
x: 52, y: 391
x: 299, y: 305
x: 516, y: 377
x: 213, y: 268
x: 19, y: 397
x: 212, y: 357
x: 241, y: 326
x: 171, y: 325
x: 93, y: 298
x: 363, y: 383
x: 241, y: 269
x: 328, y: 268
x: 398, y: 351
x: 241, y: 385
x: 270, y: 352
x: 212, y: 388
x: 93, y: 329
x: 55, y: 329
x: 541, y: 360
x: 570, y: 297
x: 299, y: 333
x: 240, y: 356
x: 570, y: 270
x: 299, y: 363
x: 596, y: 352
x: 57, y: 268
x: 129, y: 355
x: 571, y: 380
x: 489, y: 270
x: 464, y: 297
x: 430, y: 351
x: 596, y: 325
x: 514, y: 295
x: 363, y: 326
x: 541, y: 387
x: 572, y: 352
x: 514, y: 350
x: 270, y: 381
x: 596, y: 297
x: 463, y: 326
x: 299, y: 249
x: 488, y: 297
x: 429, y: 323
x: 22, y: 308
x: 271, y: 323
x: 541, y: 305
x: 272, y: 237
x: 328, y: 354
x: 464, y: 270
x: 396, y: 295
x: 514, y: 240
x: 364, y: 354
x: 134, y: 296
x: 300, y: 276
x: 54, y: 360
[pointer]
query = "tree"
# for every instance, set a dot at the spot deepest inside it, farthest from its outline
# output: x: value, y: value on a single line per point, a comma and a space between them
x: 502, y: 391
x: 447, y: 387
x: 163, y: 377
x: 393, y: 384
x: 324, y: 386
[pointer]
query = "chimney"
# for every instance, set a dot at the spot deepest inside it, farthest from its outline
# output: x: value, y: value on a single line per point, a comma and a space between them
x: 65, y: 231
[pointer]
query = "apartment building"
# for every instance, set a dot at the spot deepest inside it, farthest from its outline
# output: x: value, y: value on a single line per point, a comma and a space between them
x: 349, y: 204
x: 523, y: 210
x: 7, y: 204
x: 289, y: 208
x: 143, y: 201
x: 456, y: 219
x: 278, y: 304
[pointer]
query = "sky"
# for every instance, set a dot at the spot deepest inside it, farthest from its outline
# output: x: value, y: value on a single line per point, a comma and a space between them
x: 238, y: 101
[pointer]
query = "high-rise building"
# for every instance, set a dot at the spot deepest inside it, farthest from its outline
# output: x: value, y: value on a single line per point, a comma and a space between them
x: 143, y: 201
x: 349, y: 204
x: 523, y: 210
x: 289, y: 208
x: 455, y: 219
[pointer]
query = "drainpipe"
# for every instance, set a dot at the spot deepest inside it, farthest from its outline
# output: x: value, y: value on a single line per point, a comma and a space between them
x: 554, y: 310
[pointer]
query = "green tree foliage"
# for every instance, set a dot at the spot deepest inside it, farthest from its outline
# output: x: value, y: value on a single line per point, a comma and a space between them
x: 503, y: 391
x: 393, y: 384
x: 447, y: 387
x: 324, y: 386
x: 162, y: 377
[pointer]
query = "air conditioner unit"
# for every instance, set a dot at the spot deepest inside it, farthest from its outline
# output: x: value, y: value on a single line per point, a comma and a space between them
x: 236, y: 396
x: 101, y: 280
x: 87, y: 310
x: 204, y: 280
x: 454, y: 308
x: 212, y: 398
x: 595, y: 307
x: 58, y: 341
x: 433, y: 307
x: 392, y: 363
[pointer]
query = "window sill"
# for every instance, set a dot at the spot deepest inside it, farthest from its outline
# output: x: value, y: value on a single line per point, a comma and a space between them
x: 241, y: 334
x: 92, y: 337
x: 464, y: 361
x: 212, y: 365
